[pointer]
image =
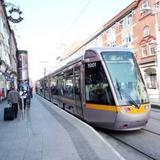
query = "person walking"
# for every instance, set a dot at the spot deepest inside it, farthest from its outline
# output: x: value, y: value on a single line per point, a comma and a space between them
x: 13, y: 100
x: 30, y: 91
x: 1, y: 95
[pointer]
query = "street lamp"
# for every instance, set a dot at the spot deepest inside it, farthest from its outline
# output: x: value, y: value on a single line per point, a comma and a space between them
x: 44, y: 67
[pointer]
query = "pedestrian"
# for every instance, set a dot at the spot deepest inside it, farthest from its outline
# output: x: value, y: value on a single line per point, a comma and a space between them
x: 23, y: 98
x: 1, y: 95
x: 13, y: 100
x: 30, y: 91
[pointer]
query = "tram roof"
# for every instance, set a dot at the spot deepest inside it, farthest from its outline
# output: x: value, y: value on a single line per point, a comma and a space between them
x: 77, y: 56
x: 102, y: 49
x: 80, y: 55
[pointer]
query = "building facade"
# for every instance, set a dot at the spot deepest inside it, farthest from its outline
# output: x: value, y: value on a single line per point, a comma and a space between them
x: 8, y: 48
x: 138, y: 27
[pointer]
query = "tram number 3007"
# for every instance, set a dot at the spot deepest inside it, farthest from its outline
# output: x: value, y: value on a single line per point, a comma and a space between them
x: 91, y: 65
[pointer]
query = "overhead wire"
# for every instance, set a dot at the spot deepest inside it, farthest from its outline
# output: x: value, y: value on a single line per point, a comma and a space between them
x: 77, y: 18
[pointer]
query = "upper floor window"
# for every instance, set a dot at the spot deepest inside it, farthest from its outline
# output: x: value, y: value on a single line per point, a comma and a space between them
x: 130, y: 17
x: 111, y: 33
x: 112, y: 44
x: 146, y: 31
x: 144, y: 51
x: 145, y: 7
x: 127, y: 39
x: 126, y: 21
x: 145, y: 3
x: 152, y: 49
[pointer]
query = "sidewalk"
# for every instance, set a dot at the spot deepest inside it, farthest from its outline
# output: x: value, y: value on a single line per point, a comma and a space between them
x: 49, y: 133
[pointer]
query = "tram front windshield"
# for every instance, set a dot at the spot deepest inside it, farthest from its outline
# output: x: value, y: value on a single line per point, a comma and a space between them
x: 126, y: 78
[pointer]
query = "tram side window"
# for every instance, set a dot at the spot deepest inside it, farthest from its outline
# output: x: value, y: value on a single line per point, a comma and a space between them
x: 54, y: 90
x: 67, y: 85
x: 41, y: 86
x: 60, y: 84
x: 62, y: 88
x: 45, y: 85
x: 97, y: 86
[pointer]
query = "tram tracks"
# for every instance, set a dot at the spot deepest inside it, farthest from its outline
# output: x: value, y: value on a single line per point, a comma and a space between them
x: 133, y: 147
x: 149, y: 151
x: 152, y: 132
x: 155, y: 110
x: 155, y: 114
x: 157, y: 119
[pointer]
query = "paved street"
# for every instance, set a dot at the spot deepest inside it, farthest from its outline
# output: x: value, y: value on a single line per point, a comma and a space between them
x: 49, y: 133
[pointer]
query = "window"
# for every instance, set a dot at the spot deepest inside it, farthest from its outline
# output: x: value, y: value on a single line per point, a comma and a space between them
x: 130, y: 19
x: 69, y: 87
x: 67, y: 84
x: 144, y: 51
x: 112, y: 44
x: 145, y: 4
x: 97, y: 86
x: 126, y: 77
x: 126, y: 21
x: 127, y: 39
x: 152, y: 49
x: 111, y: 37
x: 151, y: 81
x: 145, y: 7
x: 53, y: 83
x: 146, y: 31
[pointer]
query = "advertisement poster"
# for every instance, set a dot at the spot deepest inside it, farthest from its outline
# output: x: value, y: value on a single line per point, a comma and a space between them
x: 22, y: 57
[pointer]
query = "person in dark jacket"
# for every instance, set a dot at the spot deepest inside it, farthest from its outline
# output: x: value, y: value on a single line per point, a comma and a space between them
x: 13, y: 99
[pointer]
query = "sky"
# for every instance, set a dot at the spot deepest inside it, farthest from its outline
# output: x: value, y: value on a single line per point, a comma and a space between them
x: 50, y: 26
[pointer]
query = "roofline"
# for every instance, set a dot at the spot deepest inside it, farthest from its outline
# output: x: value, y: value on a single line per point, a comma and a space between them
x: 116, y: 18
x: 121, y: 14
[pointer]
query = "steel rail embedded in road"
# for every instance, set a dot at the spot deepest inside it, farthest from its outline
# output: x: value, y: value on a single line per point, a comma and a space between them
x: 146, y: 154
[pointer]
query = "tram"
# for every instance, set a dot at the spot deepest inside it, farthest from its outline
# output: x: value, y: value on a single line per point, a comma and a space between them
x: 102, y: 86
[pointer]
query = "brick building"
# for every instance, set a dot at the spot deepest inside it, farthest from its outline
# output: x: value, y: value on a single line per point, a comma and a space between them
x: 8, y: 49
x: 138, y: 27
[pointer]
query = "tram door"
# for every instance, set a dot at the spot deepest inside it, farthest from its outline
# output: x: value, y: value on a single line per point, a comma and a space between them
x: 78, y: 92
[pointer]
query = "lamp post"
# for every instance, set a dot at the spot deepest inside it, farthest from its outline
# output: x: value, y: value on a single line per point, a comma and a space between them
x: 44, y: 67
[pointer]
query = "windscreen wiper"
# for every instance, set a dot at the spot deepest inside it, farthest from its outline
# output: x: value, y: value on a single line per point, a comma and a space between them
x: 120, y: 90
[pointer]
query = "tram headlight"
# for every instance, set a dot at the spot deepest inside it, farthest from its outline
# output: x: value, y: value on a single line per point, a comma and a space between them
x: 125, y: 109
x: 147, y: 107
